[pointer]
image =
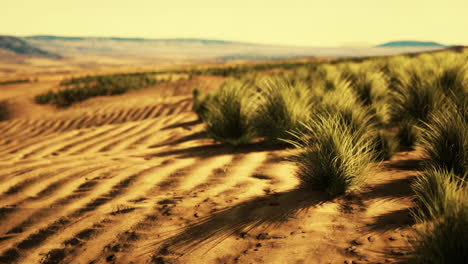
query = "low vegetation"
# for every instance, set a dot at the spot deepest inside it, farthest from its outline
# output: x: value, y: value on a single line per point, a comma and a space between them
x: 444, y: 139
x: 83, y: 89
x: 344, y: 115
x: 441, y: 189
x: 443, y: 240
x: 15, y: 81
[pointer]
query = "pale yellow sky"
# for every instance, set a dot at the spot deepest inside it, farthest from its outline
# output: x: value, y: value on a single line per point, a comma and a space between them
x: 291, y: 22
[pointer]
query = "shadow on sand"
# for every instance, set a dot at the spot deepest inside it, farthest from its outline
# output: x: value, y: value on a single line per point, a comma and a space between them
x: 211, y: 150
x: 272, y: 209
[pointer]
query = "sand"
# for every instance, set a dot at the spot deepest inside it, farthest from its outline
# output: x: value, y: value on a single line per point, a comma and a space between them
x: 134, y: 179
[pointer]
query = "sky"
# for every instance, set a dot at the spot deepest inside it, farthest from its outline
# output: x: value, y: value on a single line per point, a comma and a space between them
x: 324, y: 23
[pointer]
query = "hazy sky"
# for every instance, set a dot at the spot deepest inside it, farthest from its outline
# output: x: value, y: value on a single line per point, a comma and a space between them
x: 292, y: 22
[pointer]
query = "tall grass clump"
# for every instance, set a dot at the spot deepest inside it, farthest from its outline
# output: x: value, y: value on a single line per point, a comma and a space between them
x: 369, y: 84
x: 343, y: 102
x: 452, y: 80
x: 333, y: 158
x: 283, y: 107
x: 361, y: 120
x: 413, y: 97
x: 443, y: 241
x: 229, y: 116
x: 371, y: 88
x: 412, y: 101
x: 438, y: 192
x: 444, y: 140
x: 442, y: 190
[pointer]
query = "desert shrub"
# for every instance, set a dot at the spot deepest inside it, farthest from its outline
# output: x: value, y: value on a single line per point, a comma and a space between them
x: 438, y: 192
x: 283, y: 107
x: 443, y: 241
x: 444, y: 139
x: 229, y: 116
x: 332, y: 158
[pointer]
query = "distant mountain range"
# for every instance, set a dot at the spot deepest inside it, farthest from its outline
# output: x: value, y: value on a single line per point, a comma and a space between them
x: 183, y: 49
x: 410, y: 44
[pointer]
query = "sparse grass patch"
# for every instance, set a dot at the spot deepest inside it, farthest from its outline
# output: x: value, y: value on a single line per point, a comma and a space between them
x: 333, y: 158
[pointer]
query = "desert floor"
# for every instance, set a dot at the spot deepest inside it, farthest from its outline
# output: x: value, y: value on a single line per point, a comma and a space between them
x: 134, y: 179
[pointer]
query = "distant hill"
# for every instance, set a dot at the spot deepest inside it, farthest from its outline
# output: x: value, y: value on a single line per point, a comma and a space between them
x: 20, y: 46
x: 410, y: 44
x: 172, y: 40
x: 110, y: 50
x: 261, y: 57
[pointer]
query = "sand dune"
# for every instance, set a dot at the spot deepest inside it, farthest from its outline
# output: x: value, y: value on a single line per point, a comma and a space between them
x: 133, y: 179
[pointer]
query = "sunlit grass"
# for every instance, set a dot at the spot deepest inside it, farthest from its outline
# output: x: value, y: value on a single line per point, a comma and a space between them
x: 333, y: 158
x: 283, y: 106
x: 229, y: 117
x: 438, y: 192
x: 443, y: 241
x: 444, y: 139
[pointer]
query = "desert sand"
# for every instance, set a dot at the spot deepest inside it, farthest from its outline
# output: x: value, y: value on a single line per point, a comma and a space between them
x: 134, y: 179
